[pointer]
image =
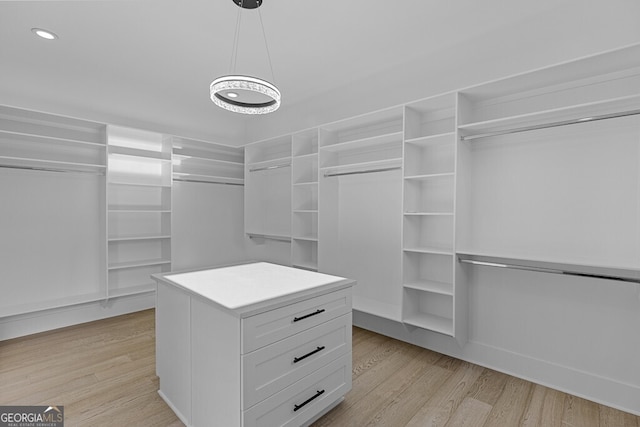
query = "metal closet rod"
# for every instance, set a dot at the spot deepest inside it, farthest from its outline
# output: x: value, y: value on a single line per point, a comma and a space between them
x: 282, y: 165
x: 206, y: 182
x: 549, y: 270
x: 553, y: 124
x: 44, y: 169
x: 328, y: 174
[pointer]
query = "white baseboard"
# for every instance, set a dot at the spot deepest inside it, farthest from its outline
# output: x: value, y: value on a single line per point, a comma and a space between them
x: 46, y: 320
x: 607, y: 391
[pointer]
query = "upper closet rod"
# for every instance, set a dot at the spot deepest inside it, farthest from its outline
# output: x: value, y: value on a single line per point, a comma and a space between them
x: 328, y: 174
x: 282, y: 165
x: 552, y: 125
x: 43, y: 169
x: 550, y: 270
x: 206, y: 182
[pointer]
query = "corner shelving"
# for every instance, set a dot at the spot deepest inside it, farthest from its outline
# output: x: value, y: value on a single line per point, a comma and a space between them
x: 429, y: 214
x: 138, y: 209
x: 203, y: 162
x: 304, y: 200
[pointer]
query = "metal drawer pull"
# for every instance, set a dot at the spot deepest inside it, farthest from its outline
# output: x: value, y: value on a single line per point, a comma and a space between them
x: 296, y: 407
x: 295, y: 319
x: 297, y: 359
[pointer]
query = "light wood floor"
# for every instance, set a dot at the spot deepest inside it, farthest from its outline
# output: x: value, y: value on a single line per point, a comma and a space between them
x: 104, y: 375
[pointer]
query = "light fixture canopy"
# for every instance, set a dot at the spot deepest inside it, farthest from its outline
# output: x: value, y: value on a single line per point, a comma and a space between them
x: 245, y: 94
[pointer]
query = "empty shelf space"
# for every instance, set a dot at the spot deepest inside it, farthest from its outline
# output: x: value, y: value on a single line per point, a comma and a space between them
x: 377, y: 308
x: 431, y: 322
x: 306, y: 265
x: 133, y: 290
x: 137, y: 184
x: 433, y: 286
x: 428, y: 213
x: 306, y: 238
x: 31, y: 137
x: 25, y: 163
x: 134, y: 264
x: 429, y: 140
x: 118, y: 150
x: 68, y: 300
x: 363, y: 167
x: 194, y: 159
x: 137, y: 209
x: 269, y: 164
x: 182, y: 176
x: 366, y: 143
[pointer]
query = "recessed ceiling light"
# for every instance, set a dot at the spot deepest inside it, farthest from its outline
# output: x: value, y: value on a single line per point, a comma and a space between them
x: 232, y: 94
x: 48, y: 35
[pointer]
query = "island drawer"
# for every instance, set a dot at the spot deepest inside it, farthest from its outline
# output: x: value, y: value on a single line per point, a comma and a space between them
x: 271, y: 326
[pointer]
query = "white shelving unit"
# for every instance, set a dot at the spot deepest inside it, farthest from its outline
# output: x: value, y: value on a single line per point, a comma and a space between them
x: 52, y: 184
x: 360, y: 162
x: 138, y: 209
x: 204, y: 162
x: 304, y: 200
x: 429, y: 214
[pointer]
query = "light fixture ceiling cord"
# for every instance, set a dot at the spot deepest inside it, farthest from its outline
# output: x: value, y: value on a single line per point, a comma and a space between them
x: 264, y: 36
x: 236, y: 42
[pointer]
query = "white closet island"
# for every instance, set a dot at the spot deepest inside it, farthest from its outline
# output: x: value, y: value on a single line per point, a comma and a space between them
x: 254, y: 344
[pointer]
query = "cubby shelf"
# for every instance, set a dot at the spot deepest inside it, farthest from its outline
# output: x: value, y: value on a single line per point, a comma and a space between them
x: 270, y: 164
x: 358, y: 166
x: 134, y: 264
x: 425, y: 141
x: 306, y: 265
x: 306, y: 238
x: 137, y: 209
x: 429, y: 176
x: 364, y: 143
x: 433, y: 286
x: 418, y: 214
x: 305, y: 184
x: 432, y: 322
x: 138, y: 152
x: 187, y: 159
x: 183, y: 176
x: 132, y: 238
x: 427, y: 250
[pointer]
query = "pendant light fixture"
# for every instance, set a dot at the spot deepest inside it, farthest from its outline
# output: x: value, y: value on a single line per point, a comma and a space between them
x: 245, y: 94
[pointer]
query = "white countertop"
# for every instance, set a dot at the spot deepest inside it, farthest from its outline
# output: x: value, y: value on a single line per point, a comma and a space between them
x: 241, y: 287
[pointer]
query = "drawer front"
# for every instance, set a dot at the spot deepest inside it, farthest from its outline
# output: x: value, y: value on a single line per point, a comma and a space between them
x: 274, y: 325
x: 304, y: 399
x: 270, y: 369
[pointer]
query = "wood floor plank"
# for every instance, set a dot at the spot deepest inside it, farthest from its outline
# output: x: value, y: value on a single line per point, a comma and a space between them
x: 488, y: 387
x: 470, y: 413
x: 580, y: 412
x: 440, y: 408
x: 509, y: 408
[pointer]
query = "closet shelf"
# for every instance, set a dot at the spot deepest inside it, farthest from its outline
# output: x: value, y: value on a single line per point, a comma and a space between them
x: 432, y: 286
x: 430, y: 140
x: 137, y: 209
x: 133, y: 290
x: 48, y: 139
x: 21, y: 162
x: 362, y: 167
x: 190, y: 159
x: 117, y: 150
x: 183, y: 176
x: 377, y: 308
x: 369, y: 143
x: 306, y: 238
x: 305, y: 211
x: 67, y: 300
x: 306, y: 184
x: 432, y: 322
x: 305, y: 265
x: 426, y: 250
x: 134, y: 264
x: 138, y: 184
x: 278, y: 163
x: 305, y: 156
x: 551, y: 117
x: 430, y: 176
x: 409, y: 213
x: 133, y: 238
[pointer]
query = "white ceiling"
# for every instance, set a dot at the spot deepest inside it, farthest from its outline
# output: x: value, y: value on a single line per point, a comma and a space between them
x: 150, y: 63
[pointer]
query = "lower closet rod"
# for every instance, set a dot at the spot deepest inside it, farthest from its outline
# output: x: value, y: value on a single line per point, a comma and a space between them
x: 328, y: 174
x: 550, y: 270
